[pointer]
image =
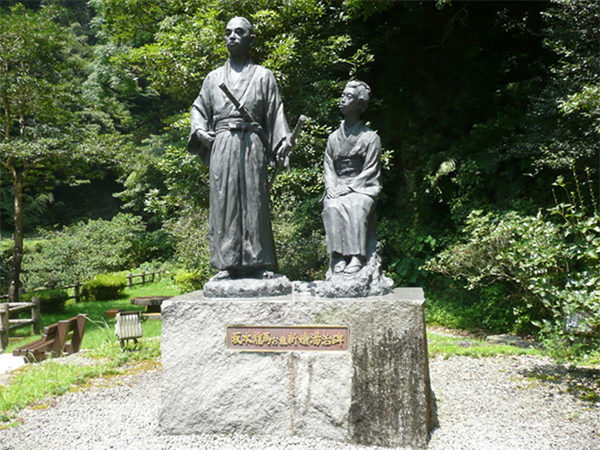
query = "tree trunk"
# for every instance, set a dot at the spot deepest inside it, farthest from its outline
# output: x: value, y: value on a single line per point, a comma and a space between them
x: 15, y: 281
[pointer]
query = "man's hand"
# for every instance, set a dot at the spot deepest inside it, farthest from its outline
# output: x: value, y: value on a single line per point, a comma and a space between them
x: 206, y: 137
x: 282, y: 157
x: 283, y: 152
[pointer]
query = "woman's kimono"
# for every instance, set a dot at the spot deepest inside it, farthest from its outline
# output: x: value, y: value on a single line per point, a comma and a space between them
x: 351, y: 160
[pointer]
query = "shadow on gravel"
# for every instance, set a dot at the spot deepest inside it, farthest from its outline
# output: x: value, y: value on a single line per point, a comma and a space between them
x: 583, y: 384
x: 435, y: 423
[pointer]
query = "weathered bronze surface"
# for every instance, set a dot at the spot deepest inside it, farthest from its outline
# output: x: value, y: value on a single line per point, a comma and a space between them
x: 352, y: 170
x: 352, y: 166
x: 237, y: 129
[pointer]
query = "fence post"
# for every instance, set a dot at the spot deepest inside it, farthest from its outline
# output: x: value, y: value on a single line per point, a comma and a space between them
x: 143, y: 277
x: 4, y: 312
x: 130, y: 279
x: 152, y: 279
x: 36, y: 314
x: 76, y: 288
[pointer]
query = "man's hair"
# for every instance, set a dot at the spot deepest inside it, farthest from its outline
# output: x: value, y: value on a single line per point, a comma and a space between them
x: 363, y: 90
x: 246, y: 22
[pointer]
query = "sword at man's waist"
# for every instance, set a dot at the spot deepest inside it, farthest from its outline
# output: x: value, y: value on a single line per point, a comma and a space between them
x: 246, y: 115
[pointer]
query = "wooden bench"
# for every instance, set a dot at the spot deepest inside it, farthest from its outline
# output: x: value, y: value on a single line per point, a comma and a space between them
x: 63, y: 337
x: 13, y: 309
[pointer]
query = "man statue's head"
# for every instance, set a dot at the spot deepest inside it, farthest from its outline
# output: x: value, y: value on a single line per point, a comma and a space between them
x: 239, y: 36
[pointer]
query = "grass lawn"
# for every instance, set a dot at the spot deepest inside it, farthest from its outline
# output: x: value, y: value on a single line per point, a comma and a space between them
x: 446, y: 346
x: 99, y: 329
x: 34, y: 382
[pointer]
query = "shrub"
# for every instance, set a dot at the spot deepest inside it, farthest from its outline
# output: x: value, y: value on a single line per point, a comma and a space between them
x: 30, y: 246
x: 154, y: 246
x: 300, y: 241
x: 492, y: 309
x: 189, y: 281
x: 6, y: 251
x: 549, y: 265
x: 51, y: 301
x: 86, y: 249
x: 104, y: 287
x: 405, y: 250
x: 189, y: 232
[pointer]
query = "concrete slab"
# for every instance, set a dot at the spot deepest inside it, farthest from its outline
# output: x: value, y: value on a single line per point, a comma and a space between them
x: 9, y: 362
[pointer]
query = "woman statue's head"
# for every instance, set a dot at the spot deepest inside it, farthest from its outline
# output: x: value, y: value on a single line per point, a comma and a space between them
x: 355, y: 97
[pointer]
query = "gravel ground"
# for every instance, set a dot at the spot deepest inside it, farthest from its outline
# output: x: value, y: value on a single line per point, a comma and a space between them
x: 513, y: 402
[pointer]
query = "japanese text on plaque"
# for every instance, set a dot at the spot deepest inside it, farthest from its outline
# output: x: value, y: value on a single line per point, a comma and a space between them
x: 277, y: 338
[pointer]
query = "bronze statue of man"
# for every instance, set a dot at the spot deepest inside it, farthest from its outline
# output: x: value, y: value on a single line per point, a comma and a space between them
x: 238, y: 125
x: 352, y: 169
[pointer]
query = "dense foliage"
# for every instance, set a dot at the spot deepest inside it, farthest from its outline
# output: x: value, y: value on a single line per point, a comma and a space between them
x: 481, y: 106
x: 81, y: 251
x: 549, y: 266
x: 188, y: 281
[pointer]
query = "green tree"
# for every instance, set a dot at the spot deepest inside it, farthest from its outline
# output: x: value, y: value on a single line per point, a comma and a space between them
x: 548, y: 260
x: 569, y: 107
x: 482, y: 102
x: 47, y: 132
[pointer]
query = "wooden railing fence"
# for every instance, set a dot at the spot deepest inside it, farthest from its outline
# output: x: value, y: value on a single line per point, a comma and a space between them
x: 13, y: 309
x: 8, y: 309
x: 146, y: 277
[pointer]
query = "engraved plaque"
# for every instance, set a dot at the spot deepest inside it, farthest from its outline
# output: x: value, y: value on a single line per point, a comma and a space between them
x: 261, y: 338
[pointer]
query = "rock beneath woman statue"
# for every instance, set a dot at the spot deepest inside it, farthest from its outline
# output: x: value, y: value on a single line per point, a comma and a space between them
x: 368, y: 281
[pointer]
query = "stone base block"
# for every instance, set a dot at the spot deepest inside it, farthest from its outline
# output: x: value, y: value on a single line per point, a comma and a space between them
x: 249, y: 287
x: 375, y: 393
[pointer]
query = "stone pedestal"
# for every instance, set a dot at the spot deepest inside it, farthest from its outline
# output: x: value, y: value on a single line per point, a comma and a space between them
x: 375, y: 393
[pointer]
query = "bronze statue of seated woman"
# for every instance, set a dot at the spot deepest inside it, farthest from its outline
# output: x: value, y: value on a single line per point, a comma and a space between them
x: 352, y: 169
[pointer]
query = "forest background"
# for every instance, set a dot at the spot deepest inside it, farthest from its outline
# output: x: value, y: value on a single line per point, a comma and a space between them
x: 489, y: 114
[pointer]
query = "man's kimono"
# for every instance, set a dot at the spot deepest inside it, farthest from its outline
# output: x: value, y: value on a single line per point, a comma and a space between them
x: 239, y: 223
x: 351, y: 160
